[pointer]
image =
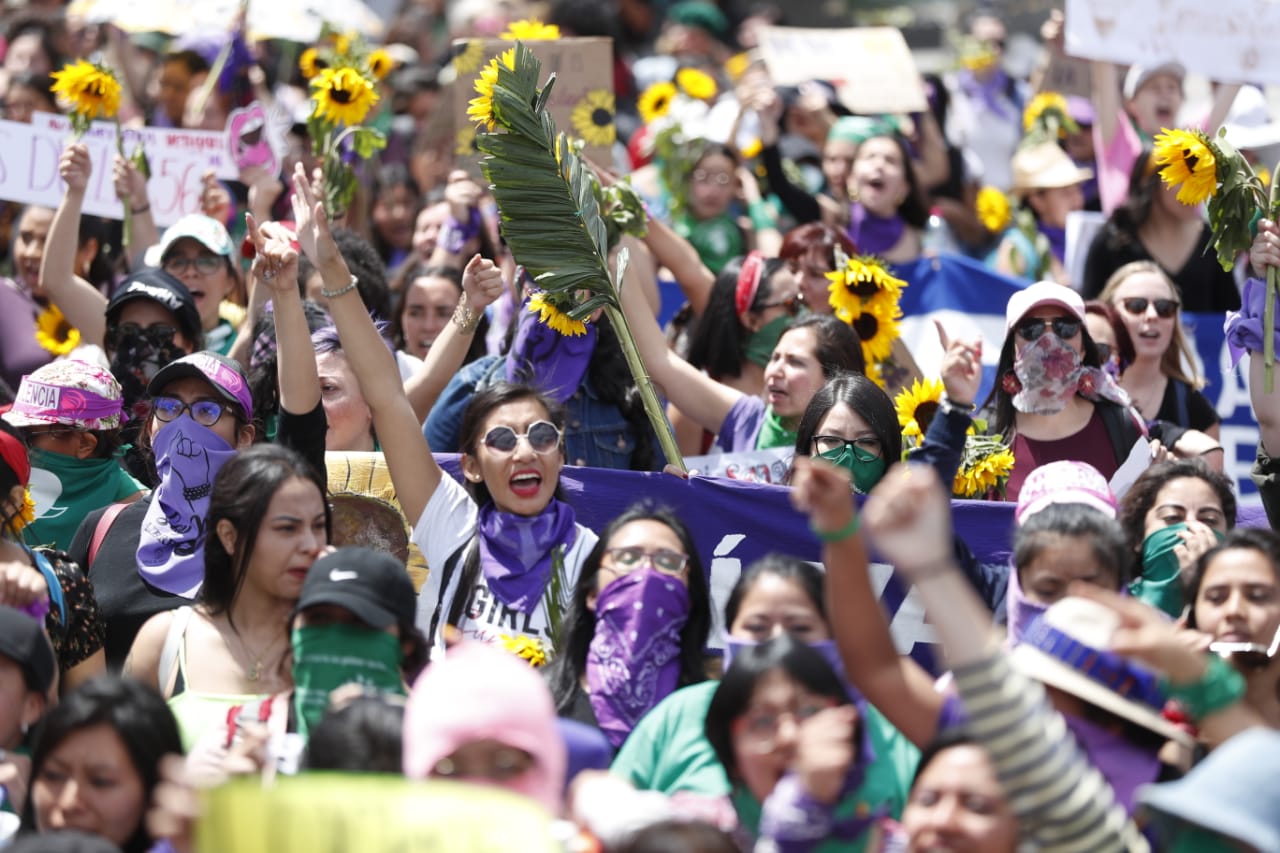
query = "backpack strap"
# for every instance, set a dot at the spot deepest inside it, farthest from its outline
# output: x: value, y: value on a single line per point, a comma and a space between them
x: 56, y: 597
x: 1122, y: 429
x: 470, y: 574
x: 169, y: 652
x: 101, y: 529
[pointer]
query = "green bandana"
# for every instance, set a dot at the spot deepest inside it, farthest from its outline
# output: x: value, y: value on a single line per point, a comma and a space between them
x: 325, y: 657
x: 1160, y: 585
x: 774, y: 432
x: 66, y: 489
x: 865, y: 466
x: 760, y: 345
x: 1193, y: 839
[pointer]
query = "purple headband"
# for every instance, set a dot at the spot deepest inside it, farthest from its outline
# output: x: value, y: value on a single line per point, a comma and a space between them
x: 40, y: 400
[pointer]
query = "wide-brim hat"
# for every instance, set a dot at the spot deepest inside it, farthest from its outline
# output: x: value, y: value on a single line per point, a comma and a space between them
x: 1249, y: 123
x: 1045, y: 166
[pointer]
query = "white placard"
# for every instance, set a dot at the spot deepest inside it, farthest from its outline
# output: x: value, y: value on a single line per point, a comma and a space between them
x: 1230, y: 40
x: 753, y: 466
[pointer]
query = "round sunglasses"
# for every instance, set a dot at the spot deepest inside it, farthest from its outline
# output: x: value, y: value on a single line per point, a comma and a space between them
x: 1063, y: 327
x: 204, y: 412
x: 543, y: 437
x: 1165, y: 308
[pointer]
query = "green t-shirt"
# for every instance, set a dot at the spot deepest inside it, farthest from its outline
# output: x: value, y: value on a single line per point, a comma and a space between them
x: 716, y: 240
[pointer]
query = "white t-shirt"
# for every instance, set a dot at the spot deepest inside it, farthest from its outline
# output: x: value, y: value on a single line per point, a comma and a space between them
x: 447, y: 525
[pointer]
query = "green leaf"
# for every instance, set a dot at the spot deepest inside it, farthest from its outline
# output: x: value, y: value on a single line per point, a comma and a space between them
x: 620, y: 268
x: 366, y: 141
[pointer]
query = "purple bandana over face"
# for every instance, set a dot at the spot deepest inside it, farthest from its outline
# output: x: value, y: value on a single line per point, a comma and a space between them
x: 633, y: 662
x: 1049, y: 369
x: 171, y: 548
x: 1020, y: 611
x: 1057, y: 238
x: 874, y: 235
x: 549, y: 361
x: 515, y: 551
x: 1125, y: 765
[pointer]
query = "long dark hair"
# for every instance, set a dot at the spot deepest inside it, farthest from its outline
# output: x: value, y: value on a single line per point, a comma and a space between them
x: 1121, y: 230
x: 403, y: 283
x: 580, y: 622
x: 718, y: 342
x: 137, y: 715
x: 750, y: 665
x: 839, y: 349
x: 242, y: 491
x: 861, y: 395
x: 806, y: 575
x: 484, y: 403
x: 1141, y: 497
x: 912, y: 209
x: 1003, y: 400
x: 611, y: 381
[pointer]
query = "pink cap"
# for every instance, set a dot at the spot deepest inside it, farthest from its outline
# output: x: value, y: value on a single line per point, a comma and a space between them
x: 1038, y: 294
x: 1064, y: 482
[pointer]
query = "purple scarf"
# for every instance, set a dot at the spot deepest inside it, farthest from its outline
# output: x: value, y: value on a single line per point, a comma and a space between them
x: 633, y: 662
x: 515, y: 551
x: 1244, y: 328
x: 171, y: 547
x: 1125, y: 765
x: 874, y: 235
x: 549, y: 361
x: 990, y: 93
x: 1057, y: 238
x: 1019, y: 611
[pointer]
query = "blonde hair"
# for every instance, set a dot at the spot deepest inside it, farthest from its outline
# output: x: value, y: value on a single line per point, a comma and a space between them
x: 1178, y: 360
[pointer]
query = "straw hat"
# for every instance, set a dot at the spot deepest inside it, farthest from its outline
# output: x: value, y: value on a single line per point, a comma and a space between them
x: 1045, y: 166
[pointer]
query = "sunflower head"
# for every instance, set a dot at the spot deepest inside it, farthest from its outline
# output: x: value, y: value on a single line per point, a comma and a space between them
x: 480, y: 108
x: 655, y: 101
x: 530, y: 30
x: 737, y: 65
x: 986, y: 473
x: 1187, y: 159
x: 311, y: 63
x: 90, y: 91
x: 592, y: 118
x: 917, y: 405
x: 342, y: 96
x: 752, y: 149
x: 696, y: 84
x: 381, y: 64
x: 1041, y: 104
x: 527, y: 649
x: 54, y: 333
x: 993, y: 209
x: 862, y: 280
x: 550, y: 314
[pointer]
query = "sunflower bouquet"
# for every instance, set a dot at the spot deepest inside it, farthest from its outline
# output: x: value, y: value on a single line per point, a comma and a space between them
x: 549, y: 212
x: 1046, y: 119
x: 864, y: 294
x: 985, y: 462
x: 1210, y: 169
x: 343, y: 74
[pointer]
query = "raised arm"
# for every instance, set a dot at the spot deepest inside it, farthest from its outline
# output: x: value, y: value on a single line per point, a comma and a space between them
x: 414, y: 471
x: 1105, y: 84
x: 80, y: 302
x: 894, y: 683
x: 131, y: 189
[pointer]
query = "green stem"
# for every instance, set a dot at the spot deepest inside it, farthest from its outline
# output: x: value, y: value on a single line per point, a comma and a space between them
x: 1269, y: 312
x: 649, y: 396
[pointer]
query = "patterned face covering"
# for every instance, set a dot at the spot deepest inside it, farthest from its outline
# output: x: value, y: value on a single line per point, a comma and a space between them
x: 1049, y: 369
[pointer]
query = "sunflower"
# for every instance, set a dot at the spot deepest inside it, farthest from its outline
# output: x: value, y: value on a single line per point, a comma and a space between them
x: 464, y: 141
x: 311, y: 63
x: 551, y: 315
x: 381, y: 64
x: 877, y: 328
x: 528, y: 648
x: 862, y: 283
x: 986, y: 473
x: 480, y: 109
x: 54, y: 333
x: 752, y: 149
x: 26, y: 514
x: 1040, y: 104
x: 696, y: 84
x: 90, y: 91
x: 978, y: 59
x: 737, y: 65
x: 1186, y: 158
x: 342, y: 95
x: 655, y: 102
x: 993, y: 209
x: 341, y: 44
x: 917, y: 405
x: 468, y: 57
x: 530, y: 30
x: 1264, y: 175
x: 592, y: 117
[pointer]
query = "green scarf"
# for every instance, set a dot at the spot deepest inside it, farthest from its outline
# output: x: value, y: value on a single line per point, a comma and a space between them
x: 774, y: 432
x: 761, y: 344
x: 325, y: 657
x: 66, y: 489
x: 1160, y: 584
x: 865, y: 466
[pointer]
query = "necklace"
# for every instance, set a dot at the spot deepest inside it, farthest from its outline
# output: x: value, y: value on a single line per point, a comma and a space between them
x: 254, y: 672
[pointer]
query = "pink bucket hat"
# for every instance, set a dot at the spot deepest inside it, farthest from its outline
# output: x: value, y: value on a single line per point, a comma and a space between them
x: 74, y: 393
x: 1064, y: 482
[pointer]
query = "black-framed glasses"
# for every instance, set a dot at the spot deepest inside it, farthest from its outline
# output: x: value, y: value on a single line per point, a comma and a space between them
x: 204, y: 264
x: 1137, y: 305
x: 156, y: 332
x: 204, y: 412
x: 543, y: 437
x: 663, y: 559
x: 1063, y: 327
x: 832, y: 443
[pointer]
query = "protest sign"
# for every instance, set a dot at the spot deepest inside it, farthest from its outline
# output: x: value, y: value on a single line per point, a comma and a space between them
x: 581, y: 101
x: 871, y: 67
x: 291, y: 20
x: 752, y: 466
x: 1229, y: 41
x: 1067, y: 75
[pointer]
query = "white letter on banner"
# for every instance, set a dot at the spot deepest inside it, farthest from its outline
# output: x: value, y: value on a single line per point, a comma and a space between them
x: 1240, y: 449
x: 44, y: 170
x: 1235, y: 385
x: 724, y: 574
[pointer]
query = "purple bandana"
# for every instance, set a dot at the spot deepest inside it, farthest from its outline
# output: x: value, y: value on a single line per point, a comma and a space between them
x: 1125, y: 765
x: 990, y: 93
x: 171, y: 549
x: 515, y: 551
x: 549, y: 361
x: 1020, y: 611
x: 873, y: 235
x: 1244, y: 328
x: 1057, y: 238
x: 633, y: 662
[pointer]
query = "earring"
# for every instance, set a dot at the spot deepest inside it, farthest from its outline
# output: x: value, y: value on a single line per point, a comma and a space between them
x: 1010, y: 383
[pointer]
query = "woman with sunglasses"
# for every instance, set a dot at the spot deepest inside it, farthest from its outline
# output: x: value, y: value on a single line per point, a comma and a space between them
x: 642, y: 580
x: 505, y: 552
x: 1156, y: 371
x: 1051, y: 400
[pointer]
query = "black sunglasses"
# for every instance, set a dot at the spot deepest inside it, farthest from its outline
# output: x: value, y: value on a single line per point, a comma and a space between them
x: 158, y: 332
x: 1165, y: 308
x: 1063, y: 327
x: 543, y: 437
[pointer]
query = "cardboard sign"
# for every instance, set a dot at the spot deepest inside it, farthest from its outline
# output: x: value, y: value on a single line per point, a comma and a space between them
x: 584, y: 80
x: 871, y: 67
x: 1230, y: 41
x: 29, y: 156
x: 1067, y: 75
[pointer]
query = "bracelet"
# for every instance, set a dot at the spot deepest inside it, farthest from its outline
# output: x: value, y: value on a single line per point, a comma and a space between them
x: 464, y: 318
x: 138, y: 211
x: 195, y: 493
x: 762, y: 216
x: 946, y: 405
x: 837, y: 535
x: 334, y: 294
x: 1220, y: 687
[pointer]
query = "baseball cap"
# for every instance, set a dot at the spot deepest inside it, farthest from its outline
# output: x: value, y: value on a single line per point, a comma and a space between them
x: 75, y: 393
x: 206, y: 231
x: 1138, y: 75
x: 158, y: 286
x: 372, y: 585
x: 224, y: 374
x: 1042, y: 293
x: 1064, y: 482
x: 22, y: 640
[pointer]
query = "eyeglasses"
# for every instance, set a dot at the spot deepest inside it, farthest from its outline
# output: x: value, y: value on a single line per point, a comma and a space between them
x: 204, y: 264
x: 1063, y: 327
x: 791, y: 304
x: 832, y: 443
x: 759, y: 731
x: 1165, y: 308
x: 56, y: 433
x: 204, y: 412
x: 720, y: 179
x: 664, y: 560
x: 543, y: 437
x: 117, y: 333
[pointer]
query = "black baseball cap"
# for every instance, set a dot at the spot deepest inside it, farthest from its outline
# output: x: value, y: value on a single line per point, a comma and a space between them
x: 160, y: 287
x: 225, y: 375
x: 22, y: 640
x: 371, y: 584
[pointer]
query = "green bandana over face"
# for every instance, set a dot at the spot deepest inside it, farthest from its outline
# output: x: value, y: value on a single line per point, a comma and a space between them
x: 325, y: 657
x: 774, y: 432
x: 1160, y: 584
x: 762, y: 341
x: 66, y: 489
x: 866, y: 467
